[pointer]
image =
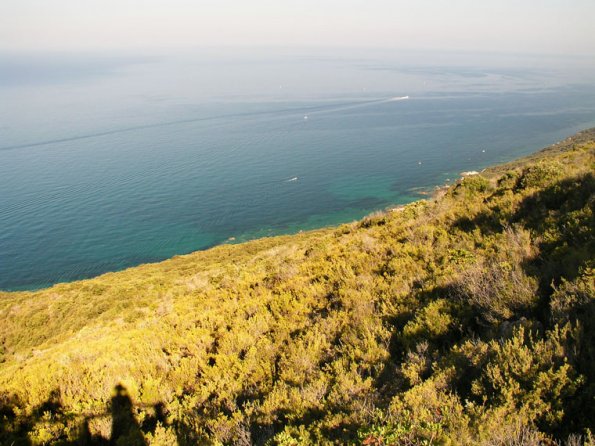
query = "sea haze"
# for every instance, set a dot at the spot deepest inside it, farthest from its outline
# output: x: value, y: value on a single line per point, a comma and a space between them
x: 112, y: 160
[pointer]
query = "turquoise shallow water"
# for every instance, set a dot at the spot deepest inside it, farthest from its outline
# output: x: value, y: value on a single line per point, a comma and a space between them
x: 111, y: 161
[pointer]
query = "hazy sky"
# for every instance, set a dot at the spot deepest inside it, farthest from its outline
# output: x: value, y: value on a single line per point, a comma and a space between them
x: 535, y: 26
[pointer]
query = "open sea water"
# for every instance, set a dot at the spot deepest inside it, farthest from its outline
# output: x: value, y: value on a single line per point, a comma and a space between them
x: 112, y: 160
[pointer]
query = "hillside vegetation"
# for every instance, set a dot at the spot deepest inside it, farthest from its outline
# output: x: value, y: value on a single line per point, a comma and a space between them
x: 465, y: 319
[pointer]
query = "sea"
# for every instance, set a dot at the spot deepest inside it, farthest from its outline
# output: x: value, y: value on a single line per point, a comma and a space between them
x: 113, y: 159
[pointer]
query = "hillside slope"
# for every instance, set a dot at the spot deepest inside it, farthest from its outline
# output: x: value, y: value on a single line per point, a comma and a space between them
x: 465, y: 319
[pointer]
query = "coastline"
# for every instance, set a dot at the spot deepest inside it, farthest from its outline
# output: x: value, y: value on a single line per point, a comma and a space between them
x: 431, y: 193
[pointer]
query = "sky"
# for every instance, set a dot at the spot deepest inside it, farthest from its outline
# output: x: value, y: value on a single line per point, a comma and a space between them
x: 519, y: 26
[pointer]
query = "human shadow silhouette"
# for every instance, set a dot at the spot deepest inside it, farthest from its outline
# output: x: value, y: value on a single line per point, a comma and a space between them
x: 125, y: 429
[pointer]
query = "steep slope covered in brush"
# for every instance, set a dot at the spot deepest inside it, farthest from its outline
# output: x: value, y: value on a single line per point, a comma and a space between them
x: 466, y: 319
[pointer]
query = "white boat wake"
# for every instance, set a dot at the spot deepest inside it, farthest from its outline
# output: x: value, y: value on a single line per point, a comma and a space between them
x: 357, y: 105
x: 398, y: 98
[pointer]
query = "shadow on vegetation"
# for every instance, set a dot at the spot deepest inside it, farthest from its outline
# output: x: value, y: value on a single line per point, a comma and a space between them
x: 390, y: 380
x: 567, y: 244
x: 486, y: 222
x: 125, y: 429
x: 560, y: 216
x: 261, y: 434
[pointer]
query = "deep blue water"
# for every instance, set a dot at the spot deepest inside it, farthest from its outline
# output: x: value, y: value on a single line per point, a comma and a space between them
x: 109, y: 161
